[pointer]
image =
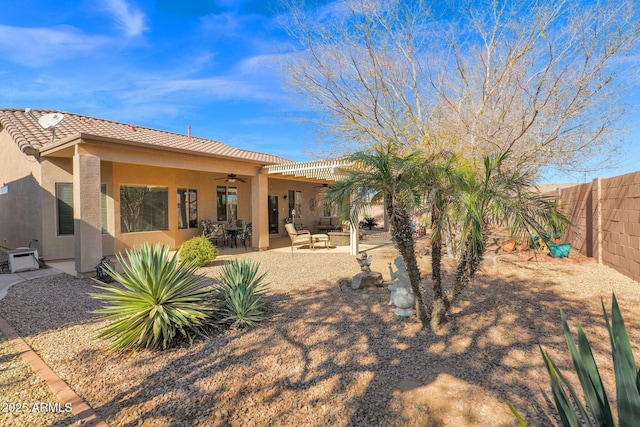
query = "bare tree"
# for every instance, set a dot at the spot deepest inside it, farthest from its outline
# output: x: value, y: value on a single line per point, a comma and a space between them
x: 538, y: 79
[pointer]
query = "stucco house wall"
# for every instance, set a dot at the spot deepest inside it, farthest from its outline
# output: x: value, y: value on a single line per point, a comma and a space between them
x: 55, y: 247
x: 20, y: 207
x: 114, y: 175
x: 312, y: 208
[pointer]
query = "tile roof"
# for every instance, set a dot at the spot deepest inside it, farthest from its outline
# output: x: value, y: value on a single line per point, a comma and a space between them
x: 28, y: 135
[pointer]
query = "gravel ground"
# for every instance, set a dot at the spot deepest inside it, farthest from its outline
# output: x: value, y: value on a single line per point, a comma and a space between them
x: 327, y: 355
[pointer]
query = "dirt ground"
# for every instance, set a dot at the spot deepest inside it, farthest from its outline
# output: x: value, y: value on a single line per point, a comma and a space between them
x: 329, y: 355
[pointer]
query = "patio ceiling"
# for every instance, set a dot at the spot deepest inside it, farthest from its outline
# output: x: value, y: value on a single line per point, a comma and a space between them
x: 325, y: 170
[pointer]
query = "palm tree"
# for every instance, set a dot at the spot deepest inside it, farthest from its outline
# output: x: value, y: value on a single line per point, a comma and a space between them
x: 496, y: 196
x: 396, y: 180
x: 456, y: 194
x: 442, y: 179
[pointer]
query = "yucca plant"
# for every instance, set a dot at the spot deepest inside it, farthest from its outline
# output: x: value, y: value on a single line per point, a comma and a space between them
x: 240, y: 294
x: 154, y: 299
x: 596, y: 411
x: 199, y: 249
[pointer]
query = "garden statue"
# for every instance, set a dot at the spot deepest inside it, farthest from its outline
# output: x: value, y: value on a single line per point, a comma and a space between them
x: 366, y: 278
x: 365, y: 262
x: 401, y: 293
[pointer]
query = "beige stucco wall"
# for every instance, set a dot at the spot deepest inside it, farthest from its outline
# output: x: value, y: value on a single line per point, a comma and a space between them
x: 137, y: 167
x: 205, y: 183
x: 20, y: 207
x: 62, y: 247
x: 55, y: 247
x: 309, y: 190
x: 116, y: 174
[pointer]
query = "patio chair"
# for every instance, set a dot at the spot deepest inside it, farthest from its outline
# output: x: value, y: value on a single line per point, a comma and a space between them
x: 213, y: 232
x: 304, y: 236
x: 245, y: 235
x: 298, y: 237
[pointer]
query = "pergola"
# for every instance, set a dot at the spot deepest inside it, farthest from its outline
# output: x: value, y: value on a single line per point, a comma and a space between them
x: 321, y: 170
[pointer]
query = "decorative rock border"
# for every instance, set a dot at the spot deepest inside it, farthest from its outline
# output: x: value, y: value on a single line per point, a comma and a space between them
x: 83, y: 412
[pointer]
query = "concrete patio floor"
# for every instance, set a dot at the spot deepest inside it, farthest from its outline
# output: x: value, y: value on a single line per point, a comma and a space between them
x: 373, y: 239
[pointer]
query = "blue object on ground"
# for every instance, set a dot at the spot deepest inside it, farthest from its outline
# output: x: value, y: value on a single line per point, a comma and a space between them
x: 560, y: 250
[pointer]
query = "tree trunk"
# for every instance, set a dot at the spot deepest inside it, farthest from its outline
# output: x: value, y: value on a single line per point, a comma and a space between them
x: 438, y: 306
x: 402, y: 235
x: 469, y: 264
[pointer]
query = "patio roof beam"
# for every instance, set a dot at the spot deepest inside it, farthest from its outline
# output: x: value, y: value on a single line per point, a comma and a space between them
x: 327, y: 170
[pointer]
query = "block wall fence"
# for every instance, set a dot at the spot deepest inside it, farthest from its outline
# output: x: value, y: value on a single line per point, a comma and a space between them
x: 606, y: 220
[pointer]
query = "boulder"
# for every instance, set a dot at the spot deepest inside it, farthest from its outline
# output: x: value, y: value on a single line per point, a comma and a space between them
x: 343, y: 282
x: 367, y: 279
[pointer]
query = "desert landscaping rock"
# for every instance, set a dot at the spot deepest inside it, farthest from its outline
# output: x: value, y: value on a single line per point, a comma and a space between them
x: 327, y: 356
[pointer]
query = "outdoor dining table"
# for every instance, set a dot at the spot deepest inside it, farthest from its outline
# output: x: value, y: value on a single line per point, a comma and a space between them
x: 232, y: 232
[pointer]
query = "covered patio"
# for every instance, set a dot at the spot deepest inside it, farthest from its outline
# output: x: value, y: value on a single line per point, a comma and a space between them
x: 373, y: 240
x: 101, y: 187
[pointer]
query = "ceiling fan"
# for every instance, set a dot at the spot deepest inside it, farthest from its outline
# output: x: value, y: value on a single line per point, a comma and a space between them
x: 232, y: 177
x: 323, y: 185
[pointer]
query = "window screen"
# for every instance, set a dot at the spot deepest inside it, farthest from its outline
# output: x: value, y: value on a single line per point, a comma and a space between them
x: 64, y: 202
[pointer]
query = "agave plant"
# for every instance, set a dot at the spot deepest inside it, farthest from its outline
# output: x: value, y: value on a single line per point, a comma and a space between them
x: 240, y: 294
x: 596, y: 411
x: 155, y: 298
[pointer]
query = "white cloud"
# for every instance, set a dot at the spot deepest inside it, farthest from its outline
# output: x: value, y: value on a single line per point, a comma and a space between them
x: 251, y: 79
x: 212, y: 88
x: 131, y: 20
x: 35, y: 47
x: 225, y: 24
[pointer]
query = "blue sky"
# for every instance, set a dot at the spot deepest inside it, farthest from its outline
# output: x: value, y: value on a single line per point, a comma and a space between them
x: 168, y: 64
x: 163, y: 64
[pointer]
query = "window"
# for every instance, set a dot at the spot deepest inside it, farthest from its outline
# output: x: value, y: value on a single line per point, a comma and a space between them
x: 227, y: 203
x: 64, y: 208
x: 221, y: 203
x: 103, y: 208
x: 143, y: 208
x: 232, y: 204
x: 329, y: 210
x: 187, y: 208
x: 295, y: 202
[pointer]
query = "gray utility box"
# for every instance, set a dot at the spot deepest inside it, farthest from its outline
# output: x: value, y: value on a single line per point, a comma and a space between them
x: 23, y: 259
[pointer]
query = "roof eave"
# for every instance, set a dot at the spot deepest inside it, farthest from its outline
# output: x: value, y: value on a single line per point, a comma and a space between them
x: 72, y: 140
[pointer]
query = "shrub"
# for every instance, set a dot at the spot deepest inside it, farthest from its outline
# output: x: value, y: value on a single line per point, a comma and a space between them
x: 240, y: 294
x: 153, y: 299
x: 369, y: 221
x: 199, y: 249
x: 596, y: 408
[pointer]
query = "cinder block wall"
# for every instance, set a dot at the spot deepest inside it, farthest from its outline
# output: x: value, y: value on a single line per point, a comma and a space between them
x: 577, y: 204
x: 606, y: 218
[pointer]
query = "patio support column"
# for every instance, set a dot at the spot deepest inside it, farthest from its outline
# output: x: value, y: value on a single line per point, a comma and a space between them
x: 86, y: 211
x: 353, y: 236
x: 354, y: 246
x: 260, y: 211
